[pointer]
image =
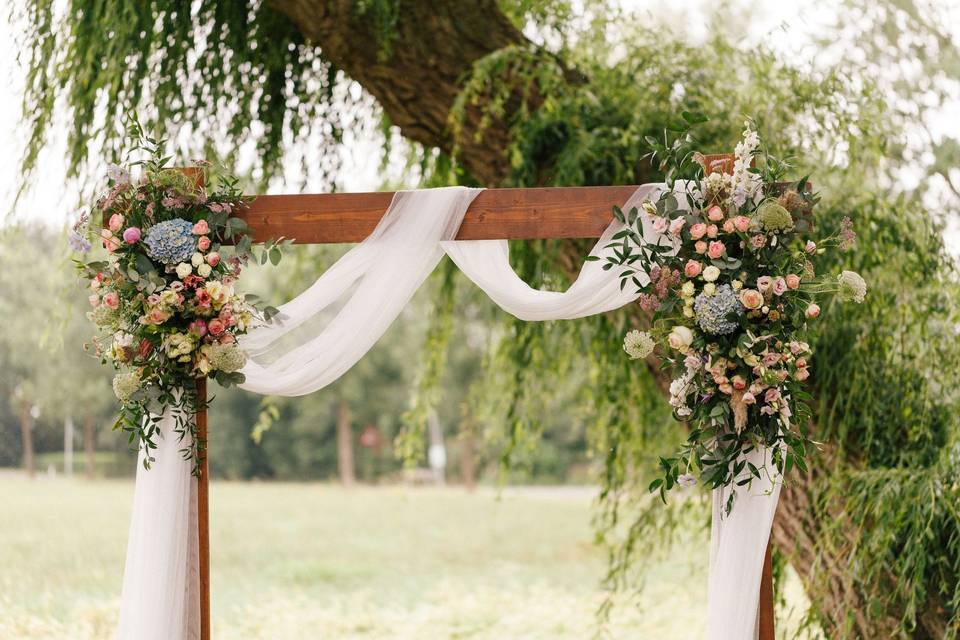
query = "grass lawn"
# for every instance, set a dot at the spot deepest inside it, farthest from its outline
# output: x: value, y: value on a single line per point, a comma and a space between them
x: 314, y: 561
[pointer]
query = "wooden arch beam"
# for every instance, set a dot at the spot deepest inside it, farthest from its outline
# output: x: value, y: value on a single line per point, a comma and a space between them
x: 512, y: 214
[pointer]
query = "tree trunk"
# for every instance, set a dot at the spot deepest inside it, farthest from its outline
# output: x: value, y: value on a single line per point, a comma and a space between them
x: 88, y: 447
x: 468, y: 448
x: 345, y: 446
x: 26, y: 436
x: 68, y: 446
x: 416, y: 77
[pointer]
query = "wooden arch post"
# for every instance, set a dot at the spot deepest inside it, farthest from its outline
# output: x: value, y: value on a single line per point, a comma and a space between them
x: 512, y: 214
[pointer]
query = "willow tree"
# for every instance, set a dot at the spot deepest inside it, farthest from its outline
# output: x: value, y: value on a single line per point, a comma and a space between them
x: 525, y: 92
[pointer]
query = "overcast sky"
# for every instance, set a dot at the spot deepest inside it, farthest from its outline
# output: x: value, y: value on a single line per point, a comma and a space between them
x: 53, y: 201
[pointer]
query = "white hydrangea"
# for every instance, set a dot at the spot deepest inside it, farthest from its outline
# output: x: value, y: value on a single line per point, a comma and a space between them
x: 638, y: 344
x: 852, y: 286
x: 125, y: 385
x: 227, y: 357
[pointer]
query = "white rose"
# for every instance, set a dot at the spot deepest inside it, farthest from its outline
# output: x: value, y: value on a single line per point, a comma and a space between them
x: 183, y: 270
x: 688, y: 312
x: 709, y: 288
x: 711, y: 273
x: 736, y: 285
x: 688, y: 289
x: 204, y: 270
x: 197, y: 259
x: 680, y: 338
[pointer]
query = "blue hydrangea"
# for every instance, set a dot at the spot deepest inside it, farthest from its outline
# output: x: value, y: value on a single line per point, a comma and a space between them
x: 714, y: 312
x: 171, y: 241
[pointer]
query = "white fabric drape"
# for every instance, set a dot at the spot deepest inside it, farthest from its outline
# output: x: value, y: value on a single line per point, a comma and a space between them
x: 161, y: 580
x: 328, y: 328
x: 374, y: 281
x: 738, y: 544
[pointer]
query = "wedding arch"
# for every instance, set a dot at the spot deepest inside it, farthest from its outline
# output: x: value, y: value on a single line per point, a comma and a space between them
x: 402, y: 236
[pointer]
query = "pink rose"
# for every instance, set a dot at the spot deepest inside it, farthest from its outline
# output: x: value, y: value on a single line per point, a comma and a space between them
x: 94, y: 299
x: 692, y: 269
x: 725, y: 388
x: 742, y: 223
x: 779, y: 286
x: 728, y: 226
x: 802, y: 374
x: 748, y: 398
x: 715, y: 213
x: 793, y: 281
x: 153, y: 299
x: 111, y: 299
x: 216, y: 326
x: 176, y: 286
x: 227, y: 316
x: 801, y: 363
x: 203, y: 243
x: 213, y: 259
x: 203, y: 297
x: 676, y: 226
x: 811, y: 246
x: 751, y: 298
x: 109, y: 240
x: 758, y: 242
x: 739, y: 383
x: 698, y: 230
x: 797, y: 347
x: 813, y: 310
x: 201, y: 228
x: 116, y: 222
x: 715, y: 250
x: 157, y: 316
x: 712, y: 231
x: 700, y: 246
x: 771, y: 359
x: 131, y: 235
x: 772, y: 395
x: 198, y: 328
x: 660, y: 224
x: 764, y: 284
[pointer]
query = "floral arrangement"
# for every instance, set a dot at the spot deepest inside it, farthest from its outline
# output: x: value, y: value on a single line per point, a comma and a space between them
x: 730, y: 256
x: 164, y: 300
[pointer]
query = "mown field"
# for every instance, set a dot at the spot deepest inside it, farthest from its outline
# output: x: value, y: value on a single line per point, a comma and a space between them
x: 314, y: 561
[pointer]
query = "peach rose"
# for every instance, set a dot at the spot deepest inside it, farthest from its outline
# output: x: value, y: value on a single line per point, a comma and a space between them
x: 116, y: 222
x: 201, y: 228
x: 742, y: 223
x: 216, y: 326
x: 728, y: 226
x: 813, y: 310
x: 715, y: 213
x: 712, y: 231
x: 739, y: 383
x: 751, y: 298
x: 692, y: 269
x: 698, y: 230
x: 700, y: 247
x: 213, y: 259
x: 203, y: 243
x: 802, y: 374
x: 793, y: 281
x: 715, y: 250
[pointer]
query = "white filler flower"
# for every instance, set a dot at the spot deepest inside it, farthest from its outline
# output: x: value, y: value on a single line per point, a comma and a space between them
x: 638, y: 344
x: 852, y: 286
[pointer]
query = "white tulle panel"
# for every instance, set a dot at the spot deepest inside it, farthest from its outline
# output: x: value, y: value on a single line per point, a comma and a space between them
x: 161, y: 583
x: 737, y: 549
x: 372, y: 284
x: 487, y: 264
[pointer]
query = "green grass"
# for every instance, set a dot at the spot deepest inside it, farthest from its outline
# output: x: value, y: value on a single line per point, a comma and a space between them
x: 314, y: 561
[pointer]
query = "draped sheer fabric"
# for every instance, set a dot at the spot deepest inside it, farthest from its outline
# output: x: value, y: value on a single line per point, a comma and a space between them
x: 161, y: 579
x: 330, y: 326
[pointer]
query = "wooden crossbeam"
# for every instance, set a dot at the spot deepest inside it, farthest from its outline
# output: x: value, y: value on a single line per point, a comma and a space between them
x: 512, y: 214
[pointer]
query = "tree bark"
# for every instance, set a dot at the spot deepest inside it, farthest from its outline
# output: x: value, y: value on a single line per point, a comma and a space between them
x: 416, y: 80
x: 345, y: 446
x: 89, y: 445
x: 416, y: 74
x: 26, y: 437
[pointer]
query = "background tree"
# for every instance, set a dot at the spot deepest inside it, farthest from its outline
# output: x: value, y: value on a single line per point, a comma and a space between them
x: 525, y: 92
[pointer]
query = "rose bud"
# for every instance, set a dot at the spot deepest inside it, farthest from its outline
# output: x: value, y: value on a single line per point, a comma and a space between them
x: 813, y: 311
x: 213, y: 259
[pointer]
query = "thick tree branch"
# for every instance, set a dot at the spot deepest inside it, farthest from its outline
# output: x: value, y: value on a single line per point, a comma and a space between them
x: 417, y: 74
